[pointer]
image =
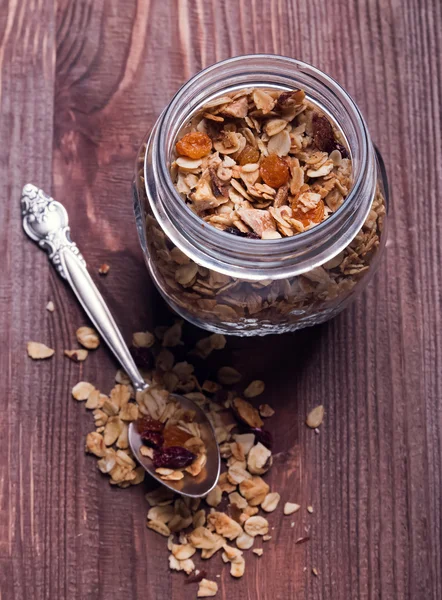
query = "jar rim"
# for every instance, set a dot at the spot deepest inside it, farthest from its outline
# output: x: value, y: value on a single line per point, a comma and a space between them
x: 248, y: 258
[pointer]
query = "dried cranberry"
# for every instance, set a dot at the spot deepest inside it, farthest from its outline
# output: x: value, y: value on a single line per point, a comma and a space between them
x: 148, y: 424
x: 173, y: 457
x: 143, y: 357
x: 196, y: 578
x: 263, y: 436
x: 153, y: 439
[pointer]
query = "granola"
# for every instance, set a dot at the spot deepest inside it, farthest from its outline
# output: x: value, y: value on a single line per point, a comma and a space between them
x: 262, y: 163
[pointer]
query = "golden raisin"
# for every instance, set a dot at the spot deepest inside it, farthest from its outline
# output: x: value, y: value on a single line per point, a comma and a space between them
x: 274, y: 171
x: 194, y: 145
x: 175, y: 436
x: 248, y: 155
x: 315, y: 215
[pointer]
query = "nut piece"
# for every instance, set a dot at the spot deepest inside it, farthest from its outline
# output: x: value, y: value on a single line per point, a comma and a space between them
x: 270, y: 502
x: 290, y: 508
x: 39, y: 351
x: 256, y: 526
x: 259, y: 459
x: 266, y: 411
x: 228, y: 376
x: 315, y: 417
x: 77, y: 355
x: 50, y: 306
x: 255, y: 388
x: 247, y: 413
x: 254, y: 490
x: 258, y: 551
x: 81, y: 390
x: 88, y: 337
x: 207, y: 588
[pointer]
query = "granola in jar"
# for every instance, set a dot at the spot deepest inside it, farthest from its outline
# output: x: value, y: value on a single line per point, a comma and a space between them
x: 260, y: 166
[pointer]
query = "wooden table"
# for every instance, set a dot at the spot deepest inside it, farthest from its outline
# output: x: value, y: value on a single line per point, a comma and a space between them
x: 80, y: 83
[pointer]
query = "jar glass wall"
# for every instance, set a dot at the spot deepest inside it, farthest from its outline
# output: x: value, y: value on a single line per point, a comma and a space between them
x: 254, y: 287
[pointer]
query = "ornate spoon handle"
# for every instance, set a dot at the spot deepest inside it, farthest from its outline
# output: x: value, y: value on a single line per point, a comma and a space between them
x: 46, y: 222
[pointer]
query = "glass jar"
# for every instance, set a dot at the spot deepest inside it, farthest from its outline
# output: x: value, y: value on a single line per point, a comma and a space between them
x: 236, y: 285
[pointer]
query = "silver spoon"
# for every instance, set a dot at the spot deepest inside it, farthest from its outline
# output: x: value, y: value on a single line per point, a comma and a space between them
x: 46, y: 222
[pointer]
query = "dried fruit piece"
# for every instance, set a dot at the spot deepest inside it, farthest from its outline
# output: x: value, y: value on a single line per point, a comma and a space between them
x: 274, y: 171
x: 194, y: 145
x: 290, y: 508
x: 77, y: 355
x: 175, y: 436
x: 315, y: 417
x: 88, y: 337
x: 104, y: 269
x: 207, y: 588
x: 173, y: 457
x: 147, y: 424
x: 315, y: 215
x: 142, y: 356
x: 263, y: 436
x: 323, y: 134
x: 247, y: 413
x: 38, y: 351
x: 248, y: 156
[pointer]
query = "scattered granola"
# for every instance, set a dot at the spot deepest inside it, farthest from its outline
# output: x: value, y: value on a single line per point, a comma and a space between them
x: 77, y: 355
x: 290, y: 508
x: 38, y: 351
x: 255, y: 388
x: 88, y: 337
x: 315, y: 417
x: 192, y: 526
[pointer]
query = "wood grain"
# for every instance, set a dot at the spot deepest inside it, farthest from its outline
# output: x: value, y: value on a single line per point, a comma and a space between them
x: 80, y: 83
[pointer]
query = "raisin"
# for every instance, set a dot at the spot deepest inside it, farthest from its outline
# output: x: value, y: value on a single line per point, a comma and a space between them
x: 194, y: 145
x: 315, y: 215
x: 175, y: 436
x: 274, y: 171
x: 196, y: 578
x: 143, y: 357
x: 173, y: 457
x: 342, y: 149
x: 263, y: 436
x: 248, y: 155
x: 153, y: 439
x: 149, y: 424
x: 249, y: 234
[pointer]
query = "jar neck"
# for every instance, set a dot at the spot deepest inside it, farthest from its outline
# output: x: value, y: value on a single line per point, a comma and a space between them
x: 248, y: 258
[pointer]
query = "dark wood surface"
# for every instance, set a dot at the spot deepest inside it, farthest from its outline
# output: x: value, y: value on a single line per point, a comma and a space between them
x: 80, y: 83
